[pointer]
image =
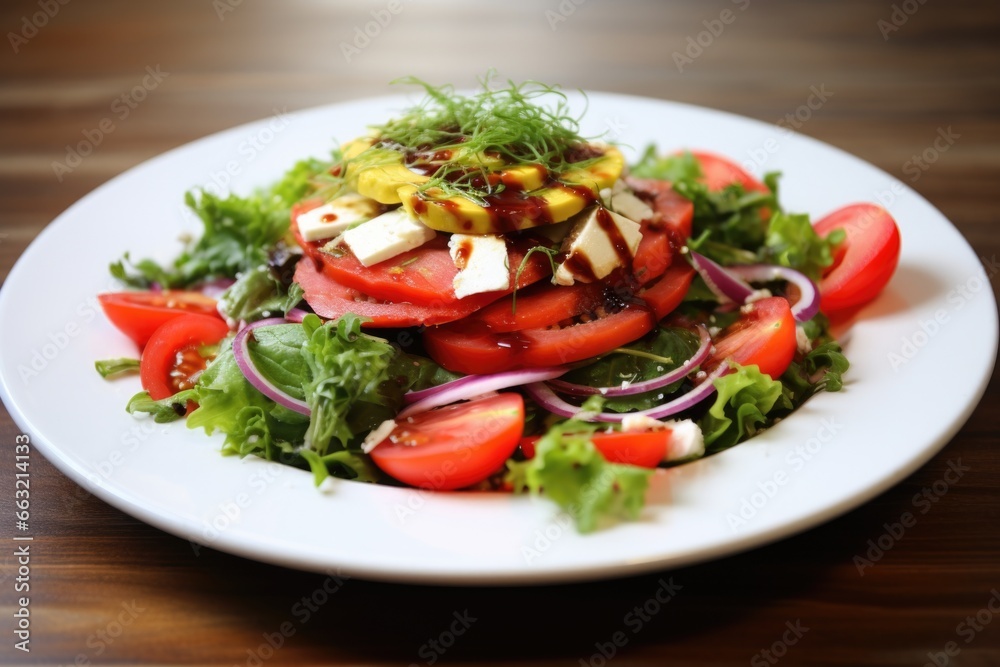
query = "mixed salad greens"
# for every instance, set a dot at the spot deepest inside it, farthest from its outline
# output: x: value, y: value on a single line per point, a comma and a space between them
x: 476, y: 296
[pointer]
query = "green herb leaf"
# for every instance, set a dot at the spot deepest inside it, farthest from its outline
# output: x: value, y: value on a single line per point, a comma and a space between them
x: 256, y: 295
x: 109, y: 368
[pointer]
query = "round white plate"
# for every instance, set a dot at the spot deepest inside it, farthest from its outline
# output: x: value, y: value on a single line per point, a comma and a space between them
x: 921, y: 354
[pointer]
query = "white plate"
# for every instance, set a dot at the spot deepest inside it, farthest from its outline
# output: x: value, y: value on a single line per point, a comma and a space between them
x: 838, y: 451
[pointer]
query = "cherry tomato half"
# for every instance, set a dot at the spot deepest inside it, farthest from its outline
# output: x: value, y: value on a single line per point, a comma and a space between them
x: 139, y: 314
x: 763, y: 336
x: 171, y: 360
x: 455, y: 446
x: 865, y: 261
x: 644, y: 449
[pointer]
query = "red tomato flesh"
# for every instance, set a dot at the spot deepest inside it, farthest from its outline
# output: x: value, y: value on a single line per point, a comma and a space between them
x: 646, y: 450
x: 329, y: 299
x: 171, y: 362
x: 139, y: 314
x: 763, y: 336
x: 473, y: 350
x: 865, y: 261
x: 455, y: 446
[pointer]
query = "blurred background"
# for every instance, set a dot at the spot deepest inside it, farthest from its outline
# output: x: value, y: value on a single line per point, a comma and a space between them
x: 134, y: 79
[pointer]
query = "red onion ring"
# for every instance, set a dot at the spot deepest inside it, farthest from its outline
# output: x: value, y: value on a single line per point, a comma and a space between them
x: 544, y: 396
x: 242, y: 353
x: 646, y: 385
x: 471, y: 386
x: 722, y: 283
x: 808, y: 304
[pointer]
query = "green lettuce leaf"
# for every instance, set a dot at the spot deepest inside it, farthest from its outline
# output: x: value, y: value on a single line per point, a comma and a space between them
x: 791, y: 241
x: 569, y: 470
x: 743, y: 400
x: 257, y: 294
x: 345, y: 367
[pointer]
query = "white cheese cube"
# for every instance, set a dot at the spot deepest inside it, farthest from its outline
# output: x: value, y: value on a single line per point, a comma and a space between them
x: 599, y: 242
x: 482, y: 263
x: 386, y: 236
x: 335, y: 217
x: 623, y: 202
x: 686, y: 440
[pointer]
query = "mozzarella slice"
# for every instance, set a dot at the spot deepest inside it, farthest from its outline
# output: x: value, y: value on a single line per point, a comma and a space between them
x: 386, y: 236
x: 482, y: 263
x: 337, y: 216
x: 599, y: 242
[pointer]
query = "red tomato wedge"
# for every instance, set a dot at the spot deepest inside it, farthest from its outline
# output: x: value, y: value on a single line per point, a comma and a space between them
x: 646, y: 450
x: 139, y: 314
x: 455, y: 446
x: 422, y: 276
x: 171, y: 361
x: 667, y: 293
x: 474, y: 351
x: 865, y: 261
x: 330, y: 300
x: 763, y: 336
x: 718, y: 172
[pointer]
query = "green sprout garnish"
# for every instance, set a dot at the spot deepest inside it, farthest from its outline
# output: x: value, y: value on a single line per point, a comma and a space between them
x: 507, y: 123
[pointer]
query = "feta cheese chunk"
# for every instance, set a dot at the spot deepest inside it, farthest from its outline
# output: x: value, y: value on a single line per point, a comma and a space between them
x: 686, y: 440
x: 335, y: 217
x: 377, y: 435
x: 386, y: 236
x: 623, y: 202
x: 599, y: 242
x: 482, y: 263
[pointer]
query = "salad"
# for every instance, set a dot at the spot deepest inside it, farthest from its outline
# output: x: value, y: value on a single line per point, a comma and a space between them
x: 474, y: 295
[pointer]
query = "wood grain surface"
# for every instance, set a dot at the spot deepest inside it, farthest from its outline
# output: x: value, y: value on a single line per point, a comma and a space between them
x: 106, y: 588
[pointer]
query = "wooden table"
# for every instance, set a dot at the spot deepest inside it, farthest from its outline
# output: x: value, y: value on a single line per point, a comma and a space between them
x: 107, y: 588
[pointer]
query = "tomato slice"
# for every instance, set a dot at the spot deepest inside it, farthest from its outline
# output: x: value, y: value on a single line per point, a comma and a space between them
x: 865, y: 261
x: 718, y: 172
x: 139, y: 314
x: 763, y: 336
x: 540, y: 305
x: 422, y: 276
x: 667, y: 293
x: 171, y: 361
x: 331, y: 300
x: 455, y: 446
x: 473, y: 350
x: 675, y: 211
x: 643, y: 449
